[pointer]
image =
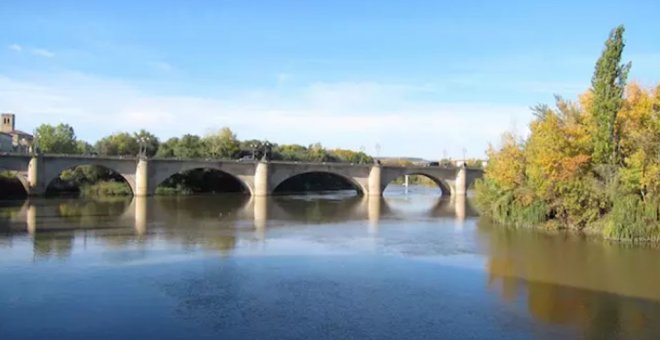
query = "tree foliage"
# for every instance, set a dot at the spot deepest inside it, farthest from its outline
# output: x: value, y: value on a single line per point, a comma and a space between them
x: 594, y: 164
x: 56, y: 139
x: 118, y: 144
x: 149, y: 140
x: 608, y: 85
x: 222, y: 144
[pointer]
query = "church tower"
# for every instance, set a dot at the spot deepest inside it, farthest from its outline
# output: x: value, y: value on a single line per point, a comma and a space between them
x: 8, y: 123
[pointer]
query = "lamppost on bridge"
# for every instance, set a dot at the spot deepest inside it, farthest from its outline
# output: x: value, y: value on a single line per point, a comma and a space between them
x: 34, y: 146
x: 254, y: 146
x: 142, y: 142
x: 267, y: 150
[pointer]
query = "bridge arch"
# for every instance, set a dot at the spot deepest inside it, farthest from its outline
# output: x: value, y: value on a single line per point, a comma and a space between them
x: 162, y: 174
x: 443, y: 184
x: 54, y: 166
x: 20, y: 177
x: 278, y: 184
x: 127, y: 175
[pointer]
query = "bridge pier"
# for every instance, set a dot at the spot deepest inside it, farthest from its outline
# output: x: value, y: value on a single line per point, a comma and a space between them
x: 460, y: 184
x: 36, y: 187
x: 142, y: 178
x: 375, y: 186
x: 261, y: 180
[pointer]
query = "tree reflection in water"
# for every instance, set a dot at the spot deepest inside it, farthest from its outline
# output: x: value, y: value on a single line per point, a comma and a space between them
x: 605, y: 290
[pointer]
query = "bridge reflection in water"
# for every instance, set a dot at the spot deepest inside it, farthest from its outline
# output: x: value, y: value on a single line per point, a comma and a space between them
x: 139, y: 217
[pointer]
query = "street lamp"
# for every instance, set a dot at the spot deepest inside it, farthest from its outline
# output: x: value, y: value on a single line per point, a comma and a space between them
x: 253, y: 146
x: 142, y: 142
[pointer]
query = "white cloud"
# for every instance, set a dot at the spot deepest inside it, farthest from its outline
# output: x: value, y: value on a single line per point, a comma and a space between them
x: 42, y: 52
x: 15, y: 47
x: 344, y: 114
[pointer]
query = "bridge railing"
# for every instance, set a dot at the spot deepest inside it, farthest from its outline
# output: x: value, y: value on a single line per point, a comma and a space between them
x: 227, y: 160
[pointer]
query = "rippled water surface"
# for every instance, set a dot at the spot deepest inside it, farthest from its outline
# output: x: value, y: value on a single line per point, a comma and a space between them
x: 310, y: 267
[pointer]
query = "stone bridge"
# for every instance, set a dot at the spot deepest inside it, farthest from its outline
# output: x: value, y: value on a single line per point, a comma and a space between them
x: 258, y: 177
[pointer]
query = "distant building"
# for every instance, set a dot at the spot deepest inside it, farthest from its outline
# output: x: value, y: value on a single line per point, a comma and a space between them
x: 20, y: 140
x: 6, y: 144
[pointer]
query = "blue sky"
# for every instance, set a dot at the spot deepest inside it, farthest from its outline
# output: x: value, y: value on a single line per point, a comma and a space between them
x: 418, y: 78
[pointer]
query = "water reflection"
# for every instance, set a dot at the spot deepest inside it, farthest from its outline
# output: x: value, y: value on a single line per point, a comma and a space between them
x: 605, y: 290
x: 210, y: 222
x: 595, y: 287
x: 141, y: 207
x: 260, y: 204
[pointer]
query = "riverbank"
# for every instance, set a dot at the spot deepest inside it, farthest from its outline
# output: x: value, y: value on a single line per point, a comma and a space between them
x: 623, y: 217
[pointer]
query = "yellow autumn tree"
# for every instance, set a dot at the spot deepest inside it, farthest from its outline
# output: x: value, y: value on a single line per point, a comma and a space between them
x: 506, y: 166
x: 593, y: 164
x: 640, y: 140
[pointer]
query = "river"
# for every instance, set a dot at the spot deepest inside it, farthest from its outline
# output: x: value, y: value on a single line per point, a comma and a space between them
x: 407, y: 266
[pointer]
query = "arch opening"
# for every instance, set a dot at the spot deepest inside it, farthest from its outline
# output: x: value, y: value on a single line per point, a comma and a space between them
x: 421, y: 184
x: 89, y: 181
x: 318, y: 182
x: 201, y: 181
x: 12, y: 185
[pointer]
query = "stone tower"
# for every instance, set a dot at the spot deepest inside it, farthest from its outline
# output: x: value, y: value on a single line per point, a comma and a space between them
x: 8, y: 122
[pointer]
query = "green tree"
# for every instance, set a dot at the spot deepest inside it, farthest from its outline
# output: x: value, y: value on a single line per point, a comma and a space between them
x: 608, y: 84
x: 84, y: 148
x: 150, y: 141
x: 167, y: 149
x: 317, y: 153
x: 118, y: 144
x: 350, y: 156
x: 56, y: 139
x: 222, y: 144
x: 291, y: 152
x: 190, y: 146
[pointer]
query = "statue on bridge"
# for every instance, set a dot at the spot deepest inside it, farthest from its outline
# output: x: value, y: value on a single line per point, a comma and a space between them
x: 142, y: 153
x: 34, y: 148
x: 267, y: 151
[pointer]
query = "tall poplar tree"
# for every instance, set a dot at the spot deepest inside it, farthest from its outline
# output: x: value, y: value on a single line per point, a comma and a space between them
x: 608, y: 85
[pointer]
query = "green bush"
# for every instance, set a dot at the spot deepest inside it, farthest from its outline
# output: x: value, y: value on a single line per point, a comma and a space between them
x: 634, y: 219
x: 503, y: 206
x: 106, y: 188
x: 173, y: 191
